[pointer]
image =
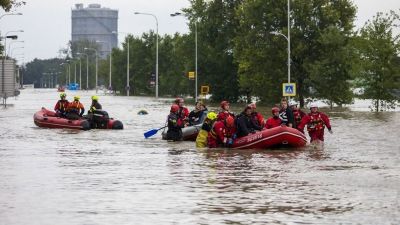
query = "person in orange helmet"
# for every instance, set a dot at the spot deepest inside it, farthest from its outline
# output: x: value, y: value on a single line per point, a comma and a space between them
x: 222, y: 133
x: 224, y: 112
x: 175, y: 124
x: 273, y: 121
x: 183, y: 112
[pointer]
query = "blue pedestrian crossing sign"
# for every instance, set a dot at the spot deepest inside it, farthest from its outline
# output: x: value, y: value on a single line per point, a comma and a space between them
x: 289, y: 89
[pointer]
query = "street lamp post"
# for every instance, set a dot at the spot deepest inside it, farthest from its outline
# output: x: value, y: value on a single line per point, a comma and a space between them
x: 67, y: 78
x: 286, y: 37
x: 3, y: 95
x: 195, y: 38
x: 96, y: 62
x: 12, y: 50
x: 13, y: 42
x: 87, y: 69
x: 80, y: 74
x: 74, y: 73
x: 5, y: 40
x: 127, y: 63
x: 109, y: 87
x: 155, y: 17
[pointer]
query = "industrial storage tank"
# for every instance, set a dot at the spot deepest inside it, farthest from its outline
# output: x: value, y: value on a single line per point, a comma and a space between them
x: 96, y: 24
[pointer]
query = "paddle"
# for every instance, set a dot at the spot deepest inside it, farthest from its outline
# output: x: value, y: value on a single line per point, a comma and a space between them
x: 152, y: 132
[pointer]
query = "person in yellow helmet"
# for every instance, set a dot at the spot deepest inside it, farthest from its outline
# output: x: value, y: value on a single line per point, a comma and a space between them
x: 96, y: 116
x: 75, y: 109
x: 95, y: 104
x: 201, y: 140
x: 61, y: 105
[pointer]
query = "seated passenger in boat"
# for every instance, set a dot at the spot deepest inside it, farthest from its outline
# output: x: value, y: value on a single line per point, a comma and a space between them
x: 224, y: 112
x: 245, y: 124
x: 175, y: 124
x: 197, y: 115
x: 62, y: 105
x: 75, y: 109
x: 183, y: 112
x: 273, y: 121
x: 257, y: 118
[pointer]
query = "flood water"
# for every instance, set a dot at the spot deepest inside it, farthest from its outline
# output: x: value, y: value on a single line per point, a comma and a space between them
x: 56, y: 176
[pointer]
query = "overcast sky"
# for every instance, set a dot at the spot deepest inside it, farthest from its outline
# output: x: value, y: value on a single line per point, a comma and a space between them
x: 47, y: 23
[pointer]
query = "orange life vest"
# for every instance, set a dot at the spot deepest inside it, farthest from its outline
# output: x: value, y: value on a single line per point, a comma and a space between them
x: 75, y: 106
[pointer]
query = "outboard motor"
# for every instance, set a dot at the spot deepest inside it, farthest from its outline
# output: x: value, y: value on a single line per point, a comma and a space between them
x: 117, y: 125
x: 100, y: 119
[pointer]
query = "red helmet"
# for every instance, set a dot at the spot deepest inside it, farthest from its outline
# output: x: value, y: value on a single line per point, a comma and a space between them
x: 275, y: 109
x: 178, y: 100
x: 174, y: 108
x: 252, y: 105
x: 229, y: 121
x: 224, y: 103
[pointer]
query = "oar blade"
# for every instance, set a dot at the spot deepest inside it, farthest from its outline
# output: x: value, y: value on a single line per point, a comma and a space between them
x: 150, y: 133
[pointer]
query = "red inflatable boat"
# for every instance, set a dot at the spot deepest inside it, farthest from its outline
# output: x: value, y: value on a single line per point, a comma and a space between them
x: 49, y: 119
x: 275, y: 137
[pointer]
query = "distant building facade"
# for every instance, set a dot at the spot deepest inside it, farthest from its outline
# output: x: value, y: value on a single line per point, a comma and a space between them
x: 95, y: 24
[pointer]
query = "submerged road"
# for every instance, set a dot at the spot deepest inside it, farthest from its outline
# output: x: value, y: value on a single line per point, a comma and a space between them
x: 56, y: 176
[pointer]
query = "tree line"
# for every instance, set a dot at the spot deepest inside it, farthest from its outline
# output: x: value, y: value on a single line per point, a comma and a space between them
x: 239, y: 55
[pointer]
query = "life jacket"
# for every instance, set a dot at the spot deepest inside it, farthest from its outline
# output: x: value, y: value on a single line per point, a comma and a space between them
x: 316, y: 122
x: 298, y: 115
x: 95, y: 106
x: 258, y: 119
x: 214, y: 137
x: 273, y: 122
x: 222, y: 115
x: 183, y: 113
x: 75, y: 106
x: 62, y: 105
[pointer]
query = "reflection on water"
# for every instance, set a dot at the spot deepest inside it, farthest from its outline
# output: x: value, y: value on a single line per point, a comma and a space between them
x: 117, y: 177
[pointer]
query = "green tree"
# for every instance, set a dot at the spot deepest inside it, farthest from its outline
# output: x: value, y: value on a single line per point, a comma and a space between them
x: 7, y: 5
x: 35, y: 71
x: 330, y: 74
x: 216, y: 23
x: 378, y: 49
x: 314, y: 25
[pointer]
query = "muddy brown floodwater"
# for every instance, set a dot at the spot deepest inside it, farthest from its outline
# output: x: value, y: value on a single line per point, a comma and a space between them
x: 56, y: 176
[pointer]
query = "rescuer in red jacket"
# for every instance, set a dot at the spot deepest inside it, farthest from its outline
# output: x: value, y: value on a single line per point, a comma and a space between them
x: 316, y: 122
x: 273, y: 121
x: 257, y: 118
x: 62, y: 105
x: 297, y: 113
x: 183, y: 112
x: 222, y: 133
x: 224, y: 113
